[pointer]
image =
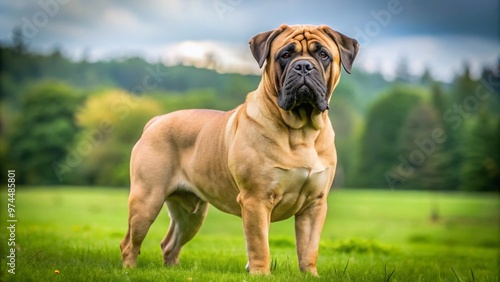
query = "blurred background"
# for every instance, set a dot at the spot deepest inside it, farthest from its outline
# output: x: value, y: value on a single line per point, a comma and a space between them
x: 79, y: 80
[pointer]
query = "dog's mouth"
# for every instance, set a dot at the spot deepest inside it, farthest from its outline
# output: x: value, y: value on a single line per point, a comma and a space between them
x: 303, y: 91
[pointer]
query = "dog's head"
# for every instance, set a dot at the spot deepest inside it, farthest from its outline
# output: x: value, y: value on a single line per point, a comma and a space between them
x: 303, y: 63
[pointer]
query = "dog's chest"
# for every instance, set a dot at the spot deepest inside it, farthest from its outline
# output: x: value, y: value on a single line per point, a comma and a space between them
x: 296, y: 188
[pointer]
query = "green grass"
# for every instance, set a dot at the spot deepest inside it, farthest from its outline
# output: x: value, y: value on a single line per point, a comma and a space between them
x: 368, y: 236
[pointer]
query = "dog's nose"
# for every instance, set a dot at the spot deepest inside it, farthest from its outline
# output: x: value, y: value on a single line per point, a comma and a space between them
x: 303, y: 67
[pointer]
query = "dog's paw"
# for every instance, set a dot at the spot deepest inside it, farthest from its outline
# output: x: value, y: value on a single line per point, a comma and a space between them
x: 257, y: 271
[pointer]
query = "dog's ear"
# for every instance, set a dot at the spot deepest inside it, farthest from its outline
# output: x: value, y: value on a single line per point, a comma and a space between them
x: 348, y: 47
x: 261, y: 43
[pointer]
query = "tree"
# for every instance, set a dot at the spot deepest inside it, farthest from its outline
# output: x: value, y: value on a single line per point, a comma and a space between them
x: 45, y: 126
x: 426, y: 78
x: 18, y: 41
x: 491, y: 78
x: 464, y: 86
x: 421, y: 146
x: 458, y: 111
x: 496, y: 155
x: 446, y: 158
x: 381, y: 137
x: 479, y: 168
x: 402, y: 71
x: 112, y: 121
x: 345, y: 122
x: 439, y: 99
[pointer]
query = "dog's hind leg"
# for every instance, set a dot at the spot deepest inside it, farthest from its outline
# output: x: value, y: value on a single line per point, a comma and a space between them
x: 187, y: 213
x: 144, y: 206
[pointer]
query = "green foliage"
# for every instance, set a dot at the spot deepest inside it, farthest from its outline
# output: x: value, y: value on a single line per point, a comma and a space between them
x: 446, y: 158
x: 480, y: 167
x: 459, y: 110
x: 436, y: 145
x: 192, y: 99
x: 111, y: 121
x: 346, y: 121
x: 465, y: 86
x: 44, y: 127
x: 384, y: 124
x: 420, y: 148
x: 377, y: 123
x: 495, y: 144
x: 356, y: 245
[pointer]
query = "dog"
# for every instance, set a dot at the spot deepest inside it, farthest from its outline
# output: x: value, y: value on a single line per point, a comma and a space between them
x: 270, y: 158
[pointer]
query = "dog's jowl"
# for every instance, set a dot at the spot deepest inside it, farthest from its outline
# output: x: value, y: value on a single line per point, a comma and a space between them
x: 271, y: 158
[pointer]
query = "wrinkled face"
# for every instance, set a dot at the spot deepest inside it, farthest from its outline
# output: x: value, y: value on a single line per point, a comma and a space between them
x: 303, y: 62
x: 306, y: 68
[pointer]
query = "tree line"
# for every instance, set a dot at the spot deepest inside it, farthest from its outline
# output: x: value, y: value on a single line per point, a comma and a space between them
x: 67, y: 122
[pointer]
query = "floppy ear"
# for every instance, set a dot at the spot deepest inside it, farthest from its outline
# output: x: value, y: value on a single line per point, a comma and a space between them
x: 260, y: 44
x: 348, y: 47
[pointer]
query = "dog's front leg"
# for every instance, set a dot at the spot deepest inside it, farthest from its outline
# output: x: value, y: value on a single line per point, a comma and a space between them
x: 308, y: 226
x: 256, y: 214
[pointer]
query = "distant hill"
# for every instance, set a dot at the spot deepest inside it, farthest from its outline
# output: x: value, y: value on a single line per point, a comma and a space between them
x: 136, y: 75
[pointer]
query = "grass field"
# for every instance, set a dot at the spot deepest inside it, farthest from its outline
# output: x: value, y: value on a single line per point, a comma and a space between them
x: 368, y: 236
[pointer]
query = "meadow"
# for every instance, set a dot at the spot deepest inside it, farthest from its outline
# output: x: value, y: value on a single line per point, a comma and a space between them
x: 73, y: 234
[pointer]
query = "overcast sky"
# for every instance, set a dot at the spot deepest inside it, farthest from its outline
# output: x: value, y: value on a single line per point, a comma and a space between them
x: 440, y: 34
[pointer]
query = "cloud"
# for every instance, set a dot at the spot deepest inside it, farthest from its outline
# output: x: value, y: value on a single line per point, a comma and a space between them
x: 221, y: 56
x: 456, y: 30
x: 445, y: 56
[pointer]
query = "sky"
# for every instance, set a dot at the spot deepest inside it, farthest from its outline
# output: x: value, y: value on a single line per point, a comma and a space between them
x: 441, y: 35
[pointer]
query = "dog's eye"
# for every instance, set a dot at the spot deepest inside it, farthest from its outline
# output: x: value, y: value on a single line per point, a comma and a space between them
x: 323, y: 55
x: 286, y: 55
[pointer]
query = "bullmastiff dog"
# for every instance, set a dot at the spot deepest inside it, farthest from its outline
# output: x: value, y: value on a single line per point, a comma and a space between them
x: 271, y: 158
